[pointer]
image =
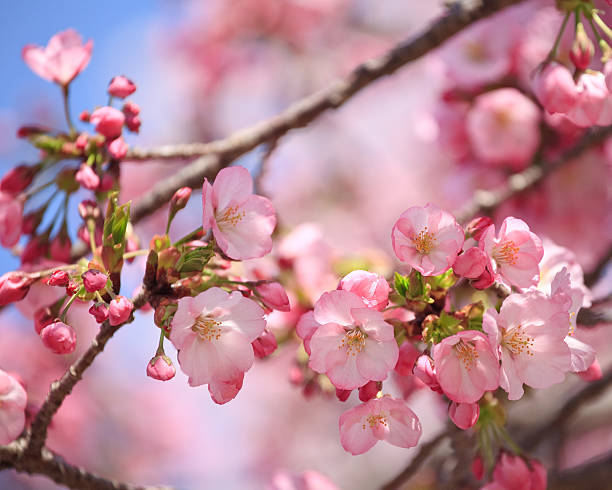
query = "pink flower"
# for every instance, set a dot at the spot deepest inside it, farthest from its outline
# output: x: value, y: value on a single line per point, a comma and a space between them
x: 369, y: 390
x: 274, y: 296
x: 99, y: 312
x: 515, y: 252
x: 161, y: 368
x: 305, y: 329
x: 464, y: 415
x: 379, y: 419
x: 223, y: 391
x: 477, y: 227
x: 87, y: 177
x: 59, y: 278
x: 118, y: 148
x: 94, y: 280
x: 373, y: 289
x: 594, y: 104
x: 308, y: 480
x: 512, y: 473
x: 427, y: 239
x: 424, y: 370
x: 132, y: 118
x: 408, y: 354
x: 264, y: 345
x: 17, y: 179
x: 592, y: 373
x: 528, y: 334
x: 11, y: 216
x: 213, y: 334
x: 13, y: 400
x: 242, y: 223
x: 471, y: 263
x: 503, y: 127
x: 119, y: 310
x: 64, y: 57
x: 354, y: 344
x: 108, y: 121
x: 13, y: 287
x: 466, y: 366
x: 59, y: 338
x: 121, y: 87
x: 61, y: 248
x: 179, y: 199
x: 555, y: 88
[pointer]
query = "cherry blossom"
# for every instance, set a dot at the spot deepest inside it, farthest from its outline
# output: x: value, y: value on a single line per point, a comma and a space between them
x: 13, y: 401
x: 354, y: 344
x: 213, y: 333
x: 11, y: 216
x: 428, y: 239
x: 464, y: 415
x: 241, y: 222
x: 515, y: 252
x: 108, y: 121
x: 372, y: 288
x: 161, y: 368
x: 555, y: 88
x: 64, y: 57
x: 379, y: 419
x: 528, y: 335
x: 121, y: 87
x: 512, y: 473
x: 466, y: 366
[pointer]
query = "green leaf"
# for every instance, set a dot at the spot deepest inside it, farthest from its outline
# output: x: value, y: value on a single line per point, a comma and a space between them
x: 401, y: 284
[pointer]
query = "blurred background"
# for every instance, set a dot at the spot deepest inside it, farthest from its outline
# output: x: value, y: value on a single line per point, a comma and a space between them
x: 206, y: 68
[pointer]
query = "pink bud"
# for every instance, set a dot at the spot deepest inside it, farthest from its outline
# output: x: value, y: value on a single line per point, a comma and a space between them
x: 84, y: 116
x: 31, y: 222
x: 342, y: 395
x: 118, y: 148
x: 119, y: 310
x: 59, y: 338
x: 99, y: 311
x: 582, y: 49
x: 107, y: 183
x: 133, y: 123
x: 555, y: 88
x: 94, y: 280
x: 161, y: 368
x: 42, y: 318
x: 131, y: 109
x: 471, y: 263
x: 81, y: 141
x: 108, y: 121
x: 180, y: 199
x: 37, y: 247
x: 408, y: 355
x: 593, y: 373
x: 132, y: 118
x: 486, y: 279
x: 61, y: 248
x: 478, y: 468
x: 88, y: 209
x: 464, y: 415
x: 59, y: 278
x: 264, y: 345
x: 373, y: 289
x: 87, y: 177
x: 477, y: 227
x: 368, y: 391
x: 31, y: 130
x: 424, y: 370
x: 273, y: 295
x: 72, y: 288
x: 17, y: 179
x: 121, y: 87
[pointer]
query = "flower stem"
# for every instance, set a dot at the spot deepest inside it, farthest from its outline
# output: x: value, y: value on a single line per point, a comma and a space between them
x: 553, y: 52
x: 68, y: 305
x: 189, y: 236
x: 67, y: 110
x: 135, y: 253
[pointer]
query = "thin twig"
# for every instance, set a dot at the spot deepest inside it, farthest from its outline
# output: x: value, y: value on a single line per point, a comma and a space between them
x: 424, y: 453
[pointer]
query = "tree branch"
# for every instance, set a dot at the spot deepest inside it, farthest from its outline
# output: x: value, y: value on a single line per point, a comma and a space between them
x: 485, y: 201
x: 425, y: 451
x: 460, y: 15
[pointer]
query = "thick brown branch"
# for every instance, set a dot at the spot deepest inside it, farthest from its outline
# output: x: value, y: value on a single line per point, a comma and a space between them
x: 567, y: 411
x: 408, y: 472
x: 460, y: 15
x: 485, y: 201
x: 62, y: 388
x: 53, y: 466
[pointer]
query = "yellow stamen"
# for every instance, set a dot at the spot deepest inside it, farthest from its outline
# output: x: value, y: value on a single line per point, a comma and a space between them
x: 517, y: 341
x: 506, y: 252
x: 374, y: 420
x: 424, y: 242
x: 231, y: 216
x: 353, y: 342
x: 467, y: 354
x: 207, y: 328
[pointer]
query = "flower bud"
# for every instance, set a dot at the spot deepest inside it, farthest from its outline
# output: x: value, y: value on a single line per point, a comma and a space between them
x: 118, y: 148
x: 343, y: 395
x: 82, y: 141
x: 42, y: 318
x: 485, y: 280
x: 59, y: 338
x: 121, y: 87
x: 478, y: 468
x: 119, y: 310
x: 61, y: 248
x: 368, y: 391
x: 87, y: 177
x: 13, y: 287
x: 59, y: 278
x: 582, y: 49
x: 179, y: 200
x: 99, y: 311
x: 88, y: 209
x: 17, y: 179
x: 35, y: 248
x: 593, y: 372
x: 477, y: 227
x: 408, y: 355
x: 84, y: 116
x: 423, y: 370
x: 31, y: 221
x: 72, y: 288
x: 464, y: 415
x: 273, y: 295
x: 161, y: 368
x: 27, y: 131
x: 132, y: 118
x: 471, y: 263
x: 94, y: 280
x: 108, y: 121
x: 264, y: 345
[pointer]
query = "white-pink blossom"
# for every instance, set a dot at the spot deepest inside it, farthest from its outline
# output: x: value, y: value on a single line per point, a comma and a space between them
x: 427, y: 238
x: 373, y: 289
x: 213, y: 333
x: 13, y: 400
x: 241, y: 222
x: 353, y: 343
x: 379, y: 419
